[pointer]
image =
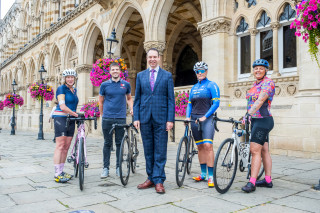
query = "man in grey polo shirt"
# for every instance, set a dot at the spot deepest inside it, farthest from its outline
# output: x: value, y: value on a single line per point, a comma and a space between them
x: 113, y: 97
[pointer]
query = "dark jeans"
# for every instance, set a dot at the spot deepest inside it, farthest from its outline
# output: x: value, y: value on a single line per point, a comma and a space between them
x: 119, y: 132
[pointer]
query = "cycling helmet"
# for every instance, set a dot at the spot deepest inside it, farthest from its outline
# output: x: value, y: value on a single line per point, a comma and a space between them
x: 69, y: 72
x: 200, y: 66
x: 260, y: 62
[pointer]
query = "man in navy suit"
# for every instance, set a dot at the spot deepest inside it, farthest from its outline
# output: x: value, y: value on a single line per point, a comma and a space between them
x: 153, y: 113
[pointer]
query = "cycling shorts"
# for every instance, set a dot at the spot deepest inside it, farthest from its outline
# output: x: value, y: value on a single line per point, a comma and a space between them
x: 60, y: 127
x: 260, y: 128
x: 206, y: 133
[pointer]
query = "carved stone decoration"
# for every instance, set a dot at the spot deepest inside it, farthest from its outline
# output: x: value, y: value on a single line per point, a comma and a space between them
x: 253, y: 31
x: 159, y: 45
x: 220, y: 25
x: 277, y: 90
x: 85, y: 68
x: 237, y: 93
x: 291, y: 89
x: 275, y: 25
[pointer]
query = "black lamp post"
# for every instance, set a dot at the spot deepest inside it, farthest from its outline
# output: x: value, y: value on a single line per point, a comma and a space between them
x: 112, y: 43
x: 13, y: 119
x: 40, y: 134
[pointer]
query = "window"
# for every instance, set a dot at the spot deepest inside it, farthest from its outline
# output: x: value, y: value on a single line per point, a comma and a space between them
x: 264, y: 20
x: 266, y: 47
x: 244, y: 49
x: 236, y: 5
x: 251, y: 3
x: 287, y: 42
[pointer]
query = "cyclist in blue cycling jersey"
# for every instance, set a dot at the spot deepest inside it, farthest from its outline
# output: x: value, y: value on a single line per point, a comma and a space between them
x: 67, y: 104
x: 204, y: 100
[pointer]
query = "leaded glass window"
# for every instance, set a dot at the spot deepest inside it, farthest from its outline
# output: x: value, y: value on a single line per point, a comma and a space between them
x: 264, y: 20
x: 245, y: 64
x: 243, y: 26
x: 251, y: 3
x: 289, y: 47
x: 288, y: 13
x: 266, y: 46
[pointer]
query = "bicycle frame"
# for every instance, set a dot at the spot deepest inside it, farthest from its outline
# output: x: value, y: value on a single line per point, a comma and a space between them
x: 80, y: 134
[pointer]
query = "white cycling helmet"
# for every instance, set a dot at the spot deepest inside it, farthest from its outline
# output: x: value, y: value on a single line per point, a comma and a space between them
x: 69, y: 72
x: 200, y: 66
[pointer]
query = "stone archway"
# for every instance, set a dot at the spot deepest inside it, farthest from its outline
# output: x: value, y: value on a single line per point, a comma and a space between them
x: 183, y: 40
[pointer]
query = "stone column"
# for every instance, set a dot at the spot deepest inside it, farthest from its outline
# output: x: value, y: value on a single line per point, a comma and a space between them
x: 133, y: 77
x: 84, y: 85
x: 275, y: 26
x: 215, y: 41
x: 159, y: 45
x: 253, y: 33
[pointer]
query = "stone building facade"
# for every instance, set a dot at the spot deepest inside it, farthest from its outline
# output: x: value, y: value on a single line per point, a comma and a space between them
x: 227, y: 34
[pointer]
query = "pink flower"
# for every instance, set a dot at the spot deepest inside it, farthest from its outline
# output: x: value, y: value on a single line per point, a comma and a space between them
x: 297, y: 33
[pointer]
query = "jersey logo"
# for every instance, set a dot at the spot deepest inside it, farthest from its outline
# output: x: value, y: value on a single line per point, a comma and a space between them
x: 122, y: 85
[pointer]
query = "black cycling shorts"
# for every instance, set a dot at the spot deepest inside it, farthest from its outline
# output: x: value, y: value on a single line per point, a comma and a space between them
x: 260, y: 128
x: 206, y: 133
x: 60, y: 127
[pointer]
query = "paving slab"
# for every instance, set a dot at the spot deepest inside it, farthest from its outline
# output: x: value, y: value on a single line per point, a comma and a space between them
x: 6, y: 201
x: 98, y: 208
x: 167, y: 208
x: 40, y: 207
x: 269, y: 207
x: 299, y: 202
x: 15, y: 189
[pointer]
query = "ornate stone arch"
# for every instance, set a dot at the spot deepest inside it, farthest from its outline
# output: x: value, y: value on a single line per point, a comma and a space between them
x: 258, y: 15
x: 281, y: 8
x: 90, y: 36
x: 71, y: 53
x: 236, y: 21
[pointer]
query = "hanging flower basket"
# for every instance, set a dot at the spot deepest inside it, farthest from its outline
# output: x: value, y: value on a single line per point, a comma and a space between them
x: 181, y: 102
x: 100, y: 70
x: 39, y: 91
x: 307, y: 25
x: 90, y: 108
x: 13, y: 100
x: 1, y: 105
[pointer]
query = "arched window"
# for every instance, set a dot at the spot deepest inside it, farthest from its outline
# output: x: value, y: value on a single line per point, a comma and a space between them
x: 264, y: 39
x: 264, y: 20
x: 287, y: 42
x: 251, y: 3
x: 244, y: 47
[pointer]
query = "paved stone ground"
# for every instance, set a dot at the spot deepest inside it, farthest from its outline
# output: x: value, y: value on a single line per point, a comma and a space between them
x: 26, y: 184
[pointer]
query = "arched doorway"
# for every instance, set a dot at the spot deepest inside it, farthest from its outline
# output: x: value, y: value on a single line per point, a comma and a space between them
x: 184, y: 69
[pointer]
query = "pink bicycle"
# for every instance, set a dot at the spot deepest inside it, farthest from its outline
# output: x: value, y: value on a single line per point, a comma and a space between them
x: 79, y: 151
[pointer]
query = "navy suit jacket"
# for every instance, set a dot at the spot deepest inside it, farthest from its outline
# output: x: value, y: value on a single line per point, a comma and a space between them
x: 159, y: 103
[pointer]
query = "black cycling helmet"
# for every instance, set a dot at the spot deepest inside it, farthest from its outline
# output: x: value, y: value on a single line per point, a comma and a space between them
x: 261, y: 62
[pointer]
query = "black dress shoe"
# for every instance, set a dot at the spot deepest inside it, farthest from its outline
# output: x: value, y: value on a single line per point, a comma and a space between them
x: 249, y: 188
x: 264, y: 183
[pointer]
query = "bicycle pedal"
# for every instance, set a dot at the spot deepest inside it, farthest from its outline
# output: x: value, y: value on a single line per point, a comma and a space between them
x: 86, y: 165
x: 70, y: 159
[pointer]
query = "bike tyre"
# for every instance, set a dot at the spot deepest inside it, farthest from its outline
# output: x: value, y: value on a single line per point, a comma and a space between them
x: 183, y: 146
x: 134, y: 156
x: 75, y: 163
x: 81, y: 163
x: 190, y: 156
x: 124, y: 158
x: 216, y: 175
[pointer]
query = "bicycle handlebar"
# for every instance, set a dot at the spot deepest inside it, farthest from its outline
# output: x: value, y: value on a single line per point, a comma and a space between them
x: 230, y: 120
x: 123, y: 125
x: 189, y: 121
x: 81, y: 117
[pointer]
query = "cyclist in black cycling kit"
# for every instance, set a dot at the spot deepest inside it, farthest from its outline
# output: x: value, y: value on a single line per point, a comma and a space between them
x: 204, y: 100
x: 259, y: 99
x: 67, y: 104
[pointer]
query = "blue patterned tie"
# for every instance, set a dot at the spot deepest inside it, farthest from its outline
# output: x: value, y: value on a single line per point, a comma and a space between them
x: 152, y: 79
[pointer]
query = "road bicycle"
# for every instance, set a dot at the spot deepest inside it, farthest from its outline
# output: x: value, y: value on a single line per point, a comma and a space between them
x: 79, y: 151
x: 185, y: 153
x: 226, y: 159
x: 128, y: 151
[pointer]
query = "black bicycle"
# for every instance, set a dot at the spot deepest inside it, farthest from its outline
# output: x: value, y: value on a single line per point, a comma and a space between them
x: 79, y: 150
x: 185, y: 153
x: 226, y: 160
x: 128, y: 151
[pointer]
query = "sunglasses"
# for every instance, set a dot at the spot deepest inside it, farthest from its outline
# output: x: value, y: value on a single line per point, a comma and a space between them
x: 200, y: 71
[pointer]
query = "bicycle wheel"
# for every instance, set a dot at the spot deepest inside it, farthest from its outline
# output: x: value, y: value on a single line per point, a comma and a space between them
x: 190, y: 155
x: 225, y: 166
x: 75, y: 164
x: 261, y: 169
x: 124, y: 161
x: 81, y: 163
x: 181, y: 161
x: 135, y: 153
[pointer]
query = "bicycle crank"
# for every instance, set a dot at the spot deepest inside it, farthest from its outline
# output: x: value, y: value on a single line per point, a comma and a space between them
x: 70, y: 159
